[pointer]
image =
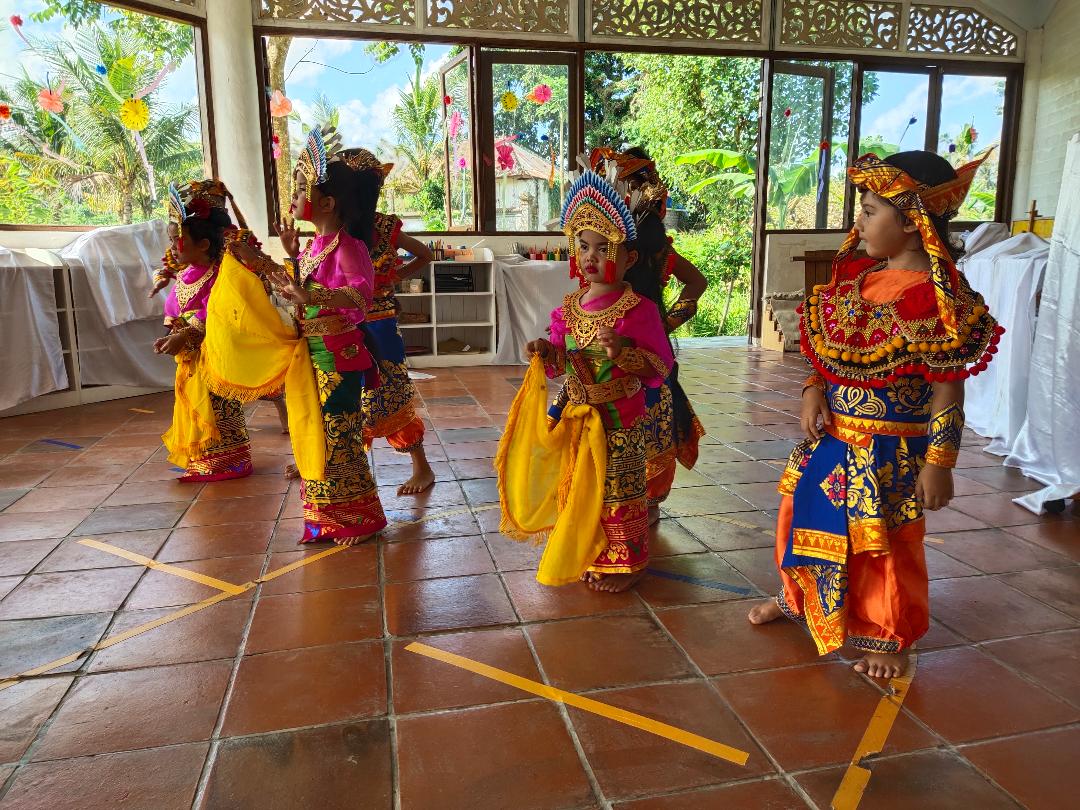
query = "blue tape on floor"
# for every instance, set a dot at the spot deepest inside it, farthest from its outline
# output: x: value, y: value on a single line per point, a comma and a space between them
x: 59, y: 443
x: 704, y: 583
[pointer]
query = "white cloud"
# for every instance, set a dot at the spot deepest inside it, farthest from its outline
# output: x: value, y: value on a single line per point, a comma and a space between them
x: 304, y: 68
x: 432, y: 66
x: 890, y: 124
x: 368, y: 126
x: 966, y: 89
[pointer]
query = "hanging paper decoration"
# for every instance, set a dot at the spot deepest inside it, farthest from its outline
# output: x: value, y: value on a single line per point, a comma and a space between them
x: 509, y: 101
x: 787, y: 113
x: 462, y: 163
x: 504, y: 152
x: 161, y: 74
x: 952, y: 148
x: 280, y: 106
x: 455, y: 125
x: 541, y: 94
x: 5, y: 112
x: 276, y: 149
x: 50, y: 100
x: 140, y: 147
x: 447, y: 101
x: 101, y: 70
x: 135, y: 114
x: 16, y: 25
x: 551, y: 152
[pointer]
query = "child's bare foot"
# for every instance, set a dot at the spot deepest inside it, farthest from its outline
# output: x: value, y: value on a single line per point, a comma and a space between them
x: 423, y: 476
x: 882, y: 665
x: 282, y: 413
x: 765, y: 612
x: 353, y: 541
x: 291, y: 472
x: 654, y: 515
x: 615, y: 583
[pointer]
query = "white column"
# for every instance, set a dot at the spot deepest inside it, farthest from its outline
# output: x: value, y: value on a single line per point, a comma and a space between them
x: 234, y: 83
x: 1029, y: 109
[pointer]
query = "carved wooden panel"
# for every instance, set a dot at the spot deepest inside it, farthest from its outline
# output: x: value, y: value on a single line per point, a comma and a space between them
x: 524, y: 16
x: 709, y: 20
x: 950, y: 29
x: 384, y: 12
x: 841, y: 24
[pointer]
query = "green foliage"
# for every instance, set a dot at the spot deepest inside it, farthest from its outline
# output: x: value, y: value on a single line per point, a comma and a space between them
x: 722, y: 253
x: 158, y: 36
x: 83, y: 166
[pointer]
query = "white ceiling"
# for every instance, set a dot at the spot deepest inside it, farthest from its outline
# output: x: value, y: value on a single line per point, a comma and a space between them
x: 1030, y: 14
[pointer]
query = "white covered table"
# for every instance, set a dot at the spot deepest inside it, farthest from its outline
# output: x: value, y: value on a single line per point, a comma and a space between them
x: 1008, y: 274
x: 32, y: 358
x: 111, y: 276
x: 1048, y: 446
x: 525, y: 293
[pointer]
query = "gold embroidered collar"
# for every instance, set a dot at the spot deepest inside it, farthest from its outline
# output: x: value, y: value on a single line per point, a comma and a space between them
x: 584, y: 324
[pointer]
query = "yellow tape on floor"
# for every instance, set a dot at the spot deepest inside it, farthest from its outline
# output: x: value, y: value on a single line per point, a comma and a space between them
x: 856, y: 778
x: 588, y: 704
x: 175, y: 570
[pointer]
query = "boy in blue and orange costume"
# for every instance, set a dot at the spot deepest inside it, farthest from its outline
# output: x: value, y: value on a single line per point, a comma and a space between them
x: 891, y: 340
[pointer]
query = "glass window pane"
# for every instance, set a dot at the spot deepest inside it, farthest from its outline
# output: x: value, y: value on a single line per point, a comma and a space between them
x: 531, y: 148
x: 972, y: 113
x: 893, y: 112
x: 458, y: 124
x: 383, y: 96
x: 75, y: 147
x: 810, y: 118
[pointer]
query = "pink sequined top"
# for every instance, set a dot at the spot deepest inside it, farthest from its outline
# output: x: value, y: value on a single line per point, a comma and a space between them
x: 195, y: 306
x: 348, y: 265
x: 641, y: 323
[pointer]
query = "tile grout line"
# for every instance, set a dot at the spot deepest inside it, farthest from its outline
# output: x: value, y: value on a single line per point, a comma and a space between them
x: 203, y: 782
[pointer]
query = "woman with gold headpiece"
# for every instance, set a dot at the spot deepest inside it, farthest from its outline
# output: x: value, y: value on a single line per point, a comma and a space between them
x: 891, y: 340
x: 672, y: 429
x: 200, y: 230
x: 574, y: 473
x: 389, y: 410
x: 331, y: 282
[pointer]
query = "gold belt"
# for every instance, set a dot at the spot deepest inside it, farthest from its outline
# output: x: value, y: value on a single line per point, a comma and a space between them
x: 858, y: 430
x: 580, y: 393
x: 326, y: 325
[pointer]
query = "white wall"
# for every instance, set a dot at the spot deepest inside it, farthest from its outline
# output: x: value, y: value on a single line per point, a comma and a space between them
x: 1051, y: 108
x: 782, y: 273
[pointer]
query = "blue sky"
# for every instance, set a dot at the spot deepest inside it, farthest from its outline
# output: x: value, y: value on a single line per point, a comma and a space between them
x: 178, y: 88
x: 965, y: 100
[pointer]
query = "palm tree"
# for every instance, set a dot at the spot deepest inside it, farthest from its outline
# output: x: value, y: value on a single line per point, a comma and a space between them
x: 95, y: 159
x: 416, y: 125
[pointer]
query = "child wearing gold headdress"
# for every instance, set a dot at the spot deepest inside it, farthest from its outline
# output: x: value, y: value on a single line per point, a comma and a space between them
x: 575, y: 472
x: 891, y: 340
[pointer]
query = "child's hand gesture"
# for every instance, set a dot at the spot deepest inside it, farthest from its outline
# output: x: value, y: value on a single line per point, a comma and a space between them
x: 611, y: 340
x: 813, y: 406
x: 934, y: 487
x: 159, y: 285
x: 290, y: 237
x: 288, y: 287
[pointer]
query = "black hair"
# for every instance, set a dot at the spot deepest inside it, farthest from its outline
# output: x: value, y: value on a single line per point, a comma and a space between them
x: 930, y: 170
x: 356, y: 195
x: 645, y: 277
x: 212, y: 228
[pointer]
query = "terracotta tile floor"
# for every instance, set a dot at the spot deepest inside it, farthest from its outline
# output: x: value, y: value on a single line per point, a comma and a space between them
x: 302, y: 691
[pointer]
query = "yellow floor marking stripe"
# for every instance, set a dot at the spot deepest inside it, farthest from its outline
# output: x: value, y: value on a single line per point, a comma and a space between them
x: 300, y: 563
x: 936, y: 540
x: 850, y: 792
x: 175, y: 570
x: 588, y: 704
x: 140, y: 410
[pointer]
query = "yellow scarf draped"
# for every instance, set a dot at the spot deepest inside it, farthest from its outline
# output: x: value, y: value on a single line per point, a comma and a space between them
x: 250, y: 353
x: 194, y: 428
x: 551, y: 483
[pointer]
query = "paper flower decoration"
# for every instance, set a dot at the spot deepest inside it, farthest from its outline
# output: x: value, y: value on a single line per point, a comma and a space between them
x: 509, y: 101
x: 5, y: 112
x: 787, y: 113
x: 15, y: 20
x: 462, y: 163
x: 912, y: 120
x: 505, y: 154
x: 280, y: 106
x: 51, y: 101
x: 823, y: 146
x: 973, y: 134
x: 276, y: 148
x: 135, y: 114
x: 101, y: 70
x: 952, y: 148
x: 455, y: 125
x: 447, y: 101
x: 541, y: 94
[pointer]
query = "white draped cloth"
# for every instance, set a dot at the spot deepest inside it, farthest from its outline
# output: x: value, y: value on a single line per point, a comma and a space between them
x: 1008, y: 274
x: 525, y: 293
x: 32, y: 358
x: 1048, y: 446
x: 112, y: 273
x: 982, y: 237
